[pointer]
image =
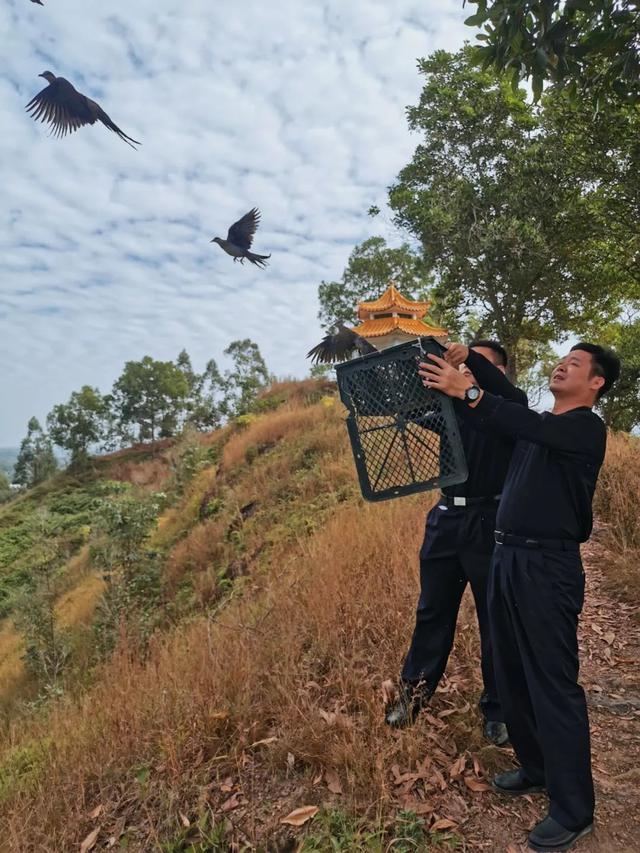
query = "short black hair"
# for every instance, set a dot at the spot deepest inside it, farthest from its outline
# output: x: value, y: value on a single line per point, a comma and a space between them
x: 493, y: 345
x: 604, y: 363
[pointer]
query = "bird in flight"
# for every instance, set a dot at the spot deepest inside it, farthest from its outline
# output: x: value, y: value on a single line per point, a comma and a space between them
x: 240, y: 238
x: 39, y: 2
x: 65, y: 109
x: 339, y: 347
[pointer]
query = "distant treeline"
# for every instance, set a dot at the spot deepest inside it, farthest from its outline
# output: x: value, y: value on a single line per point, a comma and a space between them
x: 151, y: 399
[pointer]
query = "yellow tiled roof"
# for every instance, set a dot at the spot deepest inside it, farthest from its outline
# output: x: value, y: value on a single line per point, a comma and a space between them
x: 385, y: 325
x: 392, y: 298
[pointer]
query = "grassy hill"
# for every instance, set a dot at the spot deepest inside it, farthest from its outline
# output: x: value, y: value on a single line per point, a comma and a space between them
x: 255, y: 684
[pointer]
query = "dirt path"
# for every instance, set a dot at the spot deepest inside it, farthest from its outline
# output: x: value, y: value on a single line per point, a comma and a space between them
x: 609, y: 639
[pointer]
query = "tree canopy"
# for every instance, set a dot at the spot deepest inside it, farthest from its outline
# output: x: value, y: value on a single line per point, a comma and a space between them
x: 589, y: 47
x: 493, y: 194
x: 370, y: 268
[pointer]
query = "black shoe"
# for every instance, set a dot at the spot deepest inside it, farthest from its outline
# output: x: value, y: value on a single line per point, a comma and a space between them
x: 515, y: 783
x: 550, y: 836
x: 496, y: 732
x: 407, y: 706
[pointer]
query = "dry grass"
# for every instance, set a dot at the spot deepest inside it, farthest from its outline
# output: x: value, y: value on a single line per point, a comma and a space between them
x: 617, y: 504
x: 322, y: 620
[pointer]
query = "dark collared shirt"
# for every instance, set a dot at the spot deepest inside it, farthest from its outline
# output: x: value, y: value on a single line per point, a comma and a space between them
x: 488, y: 455
x: 554, y: 468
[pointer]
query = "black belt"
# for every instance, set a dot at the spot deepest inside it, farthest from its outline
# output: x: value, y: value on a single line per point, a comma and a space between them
x: 529, y: 542
x: 450, y: 500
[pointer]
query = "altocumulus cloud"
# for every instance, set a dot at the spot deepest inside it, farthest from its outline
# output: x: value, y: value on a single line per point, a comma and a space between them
x: 295, y: 107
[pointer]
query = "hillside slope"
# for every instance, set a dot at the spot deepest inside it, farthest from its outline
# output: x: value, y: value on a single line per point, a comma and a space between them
x: 287, y: 603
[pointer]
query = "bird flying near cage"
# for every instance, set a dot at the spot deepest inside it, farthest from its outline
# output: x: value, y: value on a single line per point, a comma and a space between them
x: 64, y: 108
x: 240, y: 238
x: 339, y: 346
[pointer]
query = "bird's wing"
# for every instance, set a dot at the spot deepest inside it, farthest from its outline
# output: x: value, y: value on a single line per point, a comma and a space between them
x: 61, y: 106
x: 241, y: 232
x: 100, y: 115
x: 337, y: 347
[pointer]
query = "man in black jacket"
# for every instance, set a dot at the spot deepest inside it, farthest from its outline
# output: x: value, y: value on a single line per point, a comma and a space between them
x: 457, y: 548
x: 536, y: 585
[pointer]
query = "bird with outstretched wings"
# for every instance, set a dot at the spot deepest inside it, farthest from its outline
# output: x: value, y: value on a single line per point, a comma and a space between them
x: 338, y: 347
x: 64, y: 108
x: 240, y: 238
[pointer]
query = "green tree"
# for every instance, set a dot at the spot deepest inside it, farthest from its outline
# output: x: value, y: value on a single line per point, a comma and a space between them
x: 204, y: 411
x: 371, y: 267
x: 620, y: 408
x: 119, y: 547
x: 36, y: 460
x: 46, y: 644
x: 5, y: 487
x: 511, y: 236
x: 247, y: 377
x: 591, y: 47
x: 152, y: 396
x: 79, y: 424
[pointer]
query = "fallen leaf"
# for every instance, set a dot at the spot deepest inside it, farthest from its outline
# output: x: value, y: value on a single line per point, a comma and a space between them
x: 232, y: 803
x: 90, y: 840
x: 511, y: 848
x: 457, y: 768
x: 184, y: 820
x: 317, y: 779
x: 443, y: 823
x: 609, y: 637
x: 300, y: 816
x: 291, y: 760
x: 96, y: 812
x: 476, y: 784
x: 333, y: 781
x: 264, y: 742
x: 477, y: 767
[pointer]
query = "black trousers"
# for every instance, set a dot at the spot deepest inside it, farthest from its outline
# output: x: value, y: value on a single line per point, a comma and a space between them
x: 457, y: 549
x: 535, y: 597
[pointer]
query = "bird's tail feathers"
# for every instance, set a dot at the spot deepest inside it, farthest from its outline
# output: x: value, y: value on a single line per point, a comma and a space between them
x: 258, y: 260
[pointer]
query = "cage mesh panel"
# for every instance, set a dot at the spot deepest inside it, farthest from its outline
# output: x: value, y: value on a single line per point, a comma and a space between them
x: 404, y: 436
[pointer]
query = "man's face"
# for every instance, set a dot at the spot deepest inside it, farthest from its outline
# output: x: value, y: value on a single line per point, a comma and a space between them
x: 572, y: 375
x: 489, y: 354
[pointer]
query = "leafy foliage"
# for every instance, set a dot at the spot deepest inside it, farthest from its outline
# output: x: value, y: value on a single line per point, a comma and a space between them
x: 591, y: 47
x: 247, y: 377
x: 149, y: 394
x: 492, y: 195
x: 36, y: 460
x: 46, y: 646
x: 79, y: 424
x: 371, y: 267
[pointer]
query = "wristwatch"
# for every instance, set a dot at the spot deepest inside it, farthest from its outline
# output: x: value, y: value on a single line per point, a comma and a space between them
x: 471, y: 394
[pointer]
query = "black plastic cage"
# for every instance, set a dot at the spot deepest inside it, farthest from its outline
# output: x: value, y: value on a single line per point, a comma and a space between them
x: 405, y: 437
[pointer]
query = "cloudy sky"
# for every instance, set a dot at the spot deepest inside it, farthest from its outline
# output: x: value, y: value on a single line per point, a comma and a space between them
x: 295, y: 107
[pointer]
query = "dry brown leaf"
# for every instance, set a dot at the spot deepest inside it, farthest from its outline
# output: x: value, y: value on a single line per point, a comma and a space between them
x: 511, y: 848
x: 476, y: 784
x: 477, y: 767
x: 443, y: 823
x: 300, y: 816
x: 609, y: 637
x: 317, y: 779
x: 333, y: 781
x: 96, y: 812
x: 457, y: 768
x: 230, y: 804
x: 184, y: 820
x: 447, y: 713
x: 90, y: 840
